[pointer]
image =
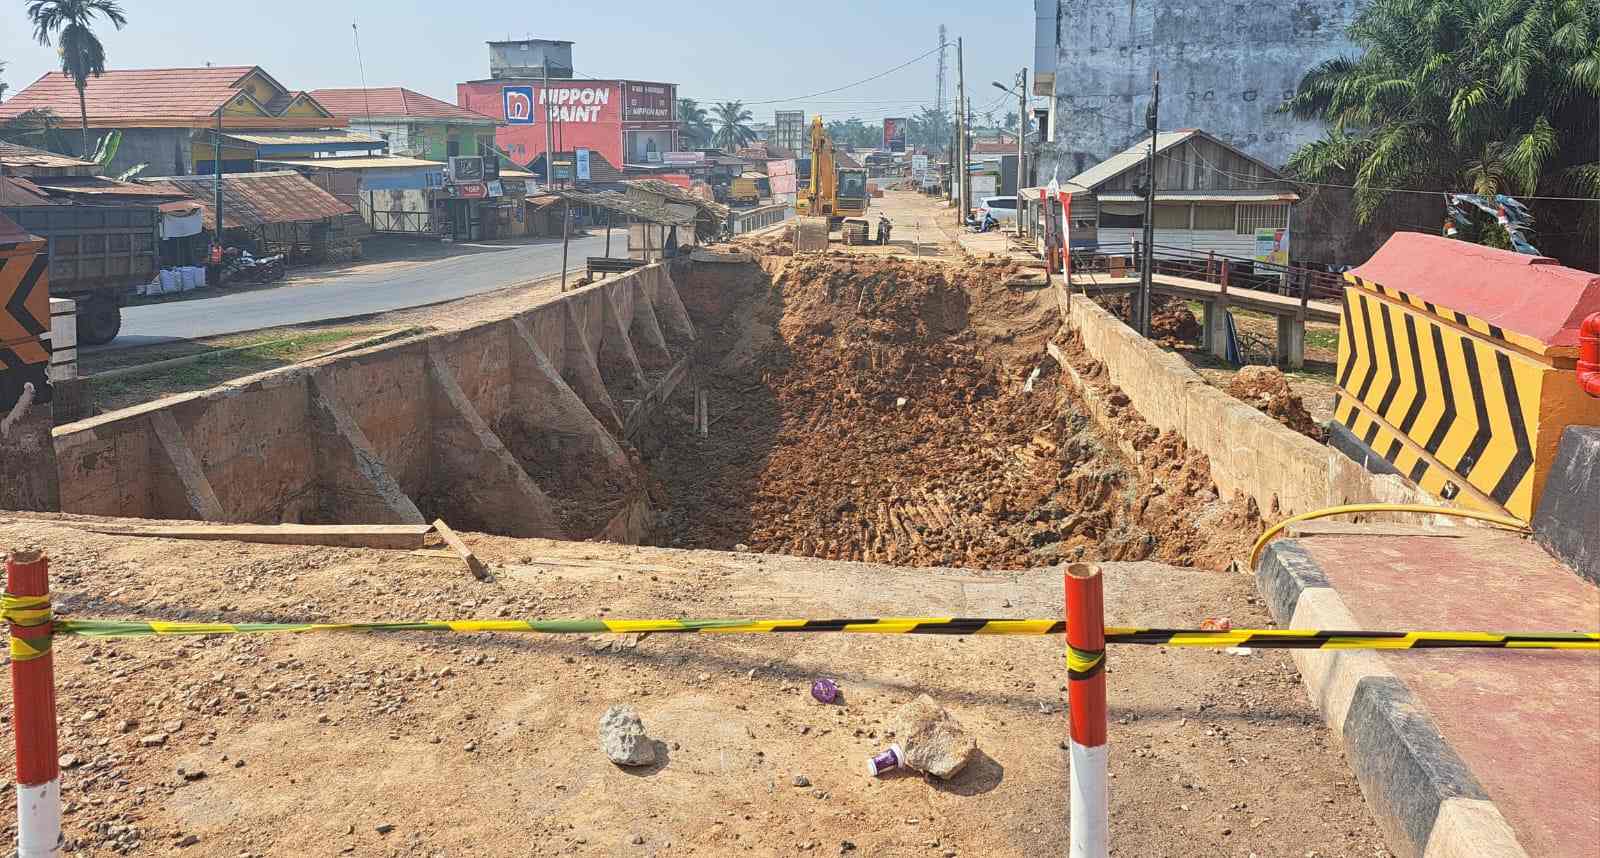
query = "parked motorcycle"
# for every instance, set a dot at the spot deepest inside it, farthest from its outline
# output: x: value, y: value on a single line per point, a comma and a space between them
x: 240, y: 265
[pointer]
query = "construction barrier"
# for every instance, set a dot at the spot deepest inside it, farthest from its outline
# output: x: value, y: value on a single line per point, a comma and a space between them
x: 27, y: 612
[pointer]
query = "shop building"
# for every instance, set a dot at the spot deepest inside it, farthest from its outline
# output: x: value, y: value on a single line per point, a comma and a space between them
x: 623, y: 123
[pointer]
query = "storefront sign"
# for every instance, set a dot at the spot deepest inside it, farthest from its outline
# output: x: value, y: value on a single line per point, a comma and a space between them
x: 469, y: 191
x: 649, y: 101
x: 582, y: 157
x: 683, y: 159
x: 514, y: 187
x: 495, y: 189
x: 466, y: 168
x: 1272, y: 245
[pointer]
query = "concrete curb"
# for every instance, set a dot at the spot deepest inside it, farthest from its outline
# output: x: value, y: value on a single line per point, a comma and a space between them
x: 1419, y: 789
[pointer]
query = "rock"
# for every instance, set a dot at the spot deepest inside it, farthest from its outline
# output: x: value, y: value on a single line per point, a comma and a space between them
x: 69, y: 761
x: 800, y: 781
x: 623, y: 739
x: 931, y: 738
x: 383, y: 828
x: 188, y: 840
x: 90, y: 715
x: 154, y: 740
x: 638, y: 840
x: 126, y: 725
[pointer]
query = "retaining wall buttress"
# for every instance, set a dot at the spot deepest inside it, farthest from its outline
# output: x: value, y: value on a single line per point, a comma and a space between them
x: 483, y: 426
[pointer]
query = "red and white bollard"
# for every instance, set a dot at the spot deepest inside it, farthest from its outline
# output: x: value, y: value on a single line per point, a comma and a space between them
x: 33, y: 702
x: 1086, y: 692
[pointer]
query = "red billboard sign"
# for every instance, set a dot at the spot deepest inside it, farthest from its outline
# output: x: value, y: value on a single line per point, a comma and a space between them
x: 649, y: 102
x: 894, y: 135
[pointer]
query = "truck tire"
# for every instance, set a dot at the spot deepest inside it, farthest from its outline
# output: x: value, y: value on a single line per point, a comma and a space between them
x: 98, y: 322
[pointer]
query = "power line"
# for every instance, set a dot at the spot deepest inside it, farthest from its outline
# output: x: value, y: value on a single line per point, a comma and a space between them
x: 882, y: 74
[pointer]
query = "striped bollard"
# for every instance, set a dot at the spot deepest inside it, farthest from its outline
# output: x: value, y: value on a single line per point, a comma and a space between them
x: 1086, y: 692
x: 33, y: 702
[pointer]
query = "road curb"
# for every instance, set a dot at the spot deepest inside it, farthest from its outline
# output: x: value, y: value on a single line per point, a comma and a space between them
x: 1419, y: 789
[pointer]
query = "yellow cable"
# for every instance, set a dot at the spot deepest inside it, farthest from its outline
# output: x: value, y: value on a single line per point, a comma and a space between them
x: 1503, y: 521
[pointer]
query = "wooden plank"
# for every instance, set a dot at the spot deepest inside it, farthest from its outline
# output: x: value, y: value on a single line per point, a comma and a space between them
x: 336, y: 535
x: 474, y: 565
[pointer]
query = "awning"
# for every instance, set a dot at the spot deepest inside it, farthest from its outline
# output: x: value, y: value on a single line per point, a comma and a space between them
x: 306, y: 142
x: 1202, y: 197
x: 181, y: 219
x: 256, y: 199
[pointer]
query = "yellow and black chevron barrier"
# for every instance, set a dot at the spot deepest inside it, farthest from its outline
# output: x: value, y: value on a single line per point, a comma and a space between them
x: 24, y: 320
x: 1259, y: 638
x: 1469, y: 411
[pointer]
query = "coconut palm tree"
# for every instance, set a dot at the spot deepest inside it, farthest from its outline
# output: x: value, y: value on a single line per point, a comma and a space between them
x: 1488, y: 96
x: 82, y: 55
x: 733, y: 129
x: 696, y: 126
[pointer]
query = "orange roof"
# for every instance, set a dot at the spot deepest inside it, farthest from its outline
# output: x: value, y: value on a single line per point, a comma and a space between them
x: 392, y: 101
x: 145, y: 98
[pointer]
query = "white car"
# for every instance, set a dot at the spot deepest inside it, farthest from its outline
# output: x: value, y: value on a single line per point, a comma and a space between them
x: 1002, y: 209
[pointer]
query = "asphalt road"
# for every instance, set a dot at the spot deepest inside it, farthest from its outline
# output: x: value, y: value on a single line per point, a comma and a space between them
x: 479, y: 268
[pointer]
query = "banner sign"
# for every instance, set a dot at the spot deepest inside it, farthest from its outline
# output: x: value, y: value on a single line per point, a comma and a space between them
x: 683, y: 159
x: 583, y: 165
x: 1272, y: 245
x: 649, y: 101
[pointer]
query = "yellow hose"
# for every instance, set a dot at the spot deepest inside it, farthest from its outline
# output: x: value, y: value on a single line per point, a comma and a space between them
x: 1503, y: 521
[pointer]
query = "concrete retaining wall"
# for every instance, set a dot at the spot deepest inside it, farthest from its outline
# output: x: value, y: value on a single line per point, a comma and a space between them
x: 1284, y: 471
x: 474, y: 425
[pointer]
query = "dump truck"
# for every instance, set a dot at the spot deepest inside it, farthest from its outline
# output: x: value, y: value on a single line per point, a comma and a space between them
x: 97, y: 254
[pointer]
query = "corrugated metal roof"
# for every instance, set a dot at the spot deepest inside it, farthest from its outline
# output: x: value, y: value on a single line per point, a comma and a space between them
x: 97, y: 186
x: 305, y: 138
x: 121, y: 95
x: 16, y: 191
x: 256, y: 199
x: 10, y: 233
x: 388, y: 101
x: 1129, y: 158
x: 359, y: 162
x: 671, y: 214
x: 16, y: 156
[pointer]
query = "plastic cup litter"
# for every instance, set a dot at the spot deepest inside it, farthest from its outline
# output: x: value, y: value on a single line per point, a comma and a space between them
x: 825, y: 691
x: 889, y: 758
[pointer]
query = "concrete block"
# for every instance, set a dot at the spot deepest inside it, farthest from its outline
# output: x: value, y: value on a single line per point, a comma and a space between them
x: 1569, y: 510
x: 582, y: 372
x: 1471, y: 828
x: 202, y: 503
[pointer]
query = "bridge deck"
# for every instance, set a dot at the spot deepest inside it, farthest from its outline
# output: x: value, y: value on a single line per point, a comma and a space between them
x: 1199, y: 290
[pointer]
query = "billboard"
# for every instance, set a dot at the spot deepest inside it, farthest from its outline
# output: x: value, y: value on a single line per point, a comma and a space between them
x: 585, y: 114
x: 781, y: 175
x: 789, y: 130
x: 919, y: 169
x: 582, y: 157
x: 894, y: 134
x: 649, y: 101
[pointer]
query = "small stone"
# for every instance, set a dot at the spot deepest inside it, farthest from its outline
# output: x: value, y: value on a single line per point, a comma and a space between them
x: 383, y: 828
x: 126, y: 726
x: 623, y: 739
x: 69, y: 761
x: 704, y: 677
x: 846, y: 847
x: 741, y: 548
x: 800, y: 781
x: 173, y: 726
x: 323, y: 719
x: 932, y: 739
x: 638, y: 840
x: 188, y: 840
x: 470, y: 747
x: 90, y: 715
x: 154, y: 740
x: 194, y: 775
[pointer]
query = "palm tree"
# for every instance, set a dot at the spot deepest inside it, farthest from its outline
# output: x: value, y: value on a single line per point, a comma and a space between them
x: 39, y: 128
x: 1488, y: 96
x: 3, y: 86
x: 734, y: 130
x: 697, y: 131
x: 82, y: 54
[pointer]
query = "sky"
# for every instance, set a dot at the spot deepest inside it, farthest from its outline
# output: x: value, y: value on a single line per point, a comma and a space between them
x: 714, y: 52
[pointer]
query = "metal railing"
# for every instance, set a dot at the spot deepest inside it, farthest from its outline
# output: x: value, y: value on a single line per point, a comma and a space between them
x: 750, y: 220
x: 399, y: 220
x: 1240, y: 272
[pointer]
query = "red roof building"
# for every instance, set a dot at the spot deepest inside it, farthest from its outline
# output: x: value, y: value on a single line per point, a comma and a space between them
x: 166, y: 115
x: 413, y: 124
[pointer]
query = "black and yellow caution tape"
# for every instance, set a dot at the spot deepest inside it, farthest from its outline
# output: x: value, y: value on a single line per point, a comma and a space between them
x: 1259, y: 638
x: 27, y: 612
x: 1084, y: 663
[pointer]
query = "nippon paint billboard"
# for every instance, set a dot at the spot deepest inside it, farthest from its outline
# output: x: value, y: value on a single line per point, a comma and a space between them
x: 580, y: 115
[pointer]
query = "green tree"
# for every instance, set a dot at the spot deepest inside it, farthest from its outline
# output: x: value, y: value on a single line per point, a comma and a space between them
x: 1488, y: 96
x: 733, y: 125
x: 40, y: 129
x: 931, y: 127
x: 696, y: 126
x: 70, y: 23
x: 3, y: 86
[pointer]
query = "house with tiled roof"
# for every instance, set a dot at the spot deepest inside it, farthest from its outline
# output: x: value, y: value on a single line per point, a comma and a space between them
x: 168, y: 116
x: 411, y: 123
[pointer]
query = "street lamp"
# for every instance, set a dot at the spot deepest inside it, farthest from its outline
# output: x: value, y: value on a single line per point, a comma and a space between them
x: 1019, y: 89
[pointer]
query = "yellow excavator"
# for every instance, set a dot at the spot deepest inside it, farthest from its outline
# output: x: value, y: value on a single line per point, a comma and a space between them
x: 832, y: 195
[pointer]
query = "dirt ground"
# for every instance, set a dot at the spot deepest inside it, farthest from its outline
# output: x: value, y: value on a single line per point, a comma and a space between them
x: 421, y: 745
x: 906, y: 412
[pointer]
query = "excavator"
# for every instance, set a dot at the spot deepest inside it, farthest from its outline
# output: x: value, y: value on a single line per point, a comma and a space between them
x: 834, y: 194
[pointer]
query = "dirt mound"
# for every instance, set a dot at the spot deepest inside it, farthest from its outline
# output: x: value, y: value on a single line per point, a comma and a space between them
x: 903, y: 412
x: 1172, y: 322
x: 1266, y: 388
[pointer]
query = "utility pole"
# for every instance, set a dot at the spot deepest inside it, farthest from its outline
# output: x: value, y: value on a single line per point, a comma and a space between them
x: 964, y: 203
x: 216, y: 190
x: 549, y: 136
x: 938, y: 101
x: 1022, y: 134
x: 1151, y: 120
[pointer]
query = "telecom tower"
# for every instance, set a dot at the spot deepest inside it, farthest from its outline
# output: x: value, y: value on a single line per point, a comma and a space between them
x: 938, y: 102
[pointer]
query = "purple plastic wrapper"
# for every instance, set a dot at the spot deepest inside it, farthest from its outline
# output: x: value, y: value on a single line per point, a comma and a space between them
x: 825, y: 691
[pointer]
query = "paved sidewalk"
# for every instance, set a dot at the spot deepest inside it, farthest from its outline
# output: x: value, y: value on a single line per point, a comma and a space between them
x: 1482, y: 753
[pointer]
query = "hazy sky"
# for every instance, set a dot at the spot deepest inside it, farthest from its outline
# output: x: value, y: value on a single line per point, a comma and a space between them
x: 753, y: 51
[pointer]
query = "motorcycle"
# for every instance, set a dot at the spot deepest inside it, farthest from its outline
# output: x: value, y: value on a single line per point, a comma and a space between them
x: 239, y: 264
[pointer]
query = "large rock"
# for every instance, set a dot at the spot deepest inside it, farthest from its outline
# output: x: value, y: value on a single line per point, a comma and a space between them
x: 932, y: 739
x: 623, y: 739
